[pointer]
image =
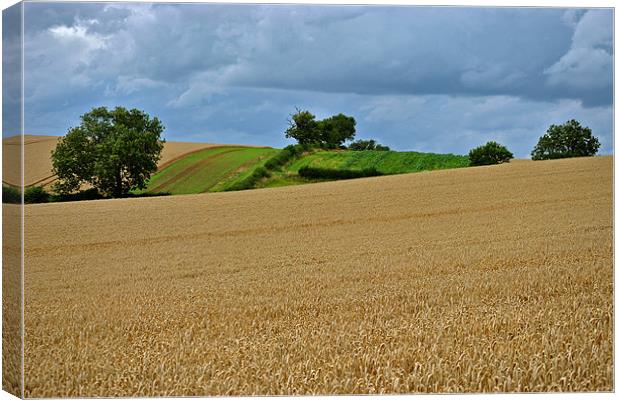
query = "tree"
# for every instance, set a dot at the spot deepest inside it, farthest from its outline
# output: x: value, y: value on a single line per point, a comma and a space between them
x: 330, y: 133
x: 336, y: 130
x: 488, y: 154
x: 360, y: 145
x: 303, y: 128
x: 567, y: 140
x: 115, y: 151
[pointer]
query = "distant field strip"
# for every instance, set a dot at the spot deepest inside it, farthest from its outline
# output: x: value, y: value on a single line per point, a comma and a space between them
x: 386, y: 162
x: 483, y: 279
x: 38, y: 161
x: 202, y: 170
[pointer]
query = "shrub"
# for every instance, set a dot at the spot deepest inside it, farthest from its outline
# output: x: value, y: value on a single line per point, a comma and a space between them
x: 36, y: 194
x: 10, y: 194
x: 149, y: 194
x: 284, y: 156
x: 88, y: 194
x: 325, y: 173
x: 567, y: 140
x: 360, y: 145
x: 489, y: 154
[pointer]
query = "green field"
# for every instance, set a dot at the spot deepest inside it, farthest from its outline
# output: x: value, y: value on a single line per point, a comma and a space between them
x: 386, y: 162
x: 208, y: 170
x: 227, y: 167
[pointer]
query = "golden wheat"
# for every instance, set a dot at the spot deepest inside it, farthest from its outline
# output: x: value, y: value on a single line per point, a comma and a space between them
x: 473, y: 280
x: 11, y: 300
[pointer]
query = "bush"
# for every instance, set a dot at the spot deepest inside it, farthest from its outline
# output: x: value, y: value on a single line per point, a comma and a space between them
x: 360, y: 145
x: 10, y: 194
x: 564, y: 141
x: 325, y: 173
x: 88, y: 194
x: 36, y: 194
x: 284, y: 156
x: 148, y: 194
x: 489, y: 154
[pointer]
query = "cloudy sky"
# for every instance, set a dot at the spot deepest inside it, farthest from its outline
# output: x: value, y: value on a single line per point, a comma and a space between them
x: 415, y: 78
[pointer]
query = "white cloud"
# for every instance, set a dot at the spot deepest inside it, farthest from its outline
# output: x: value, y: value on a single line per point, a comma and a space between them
x: 370, y: 50
x: 571, y: 17
x: 432, y: 79
x: 201, y: 88
x: 589, y: 61
x: 78, y: 34
x: 69, y: 54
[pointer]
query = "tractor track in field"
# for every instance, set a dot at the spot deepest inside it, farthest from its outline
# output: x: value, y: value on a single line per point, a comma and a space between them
x: 191, y: 169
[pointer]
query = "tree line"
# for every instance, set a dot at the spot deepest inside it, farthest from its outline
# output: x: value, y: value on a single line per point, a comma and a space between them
x: 560, y: 141
x: 329, y: 133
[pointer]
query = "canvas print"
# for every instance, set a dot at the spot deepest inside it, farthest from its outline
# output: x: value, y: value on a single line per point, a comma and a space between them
x: 298, y: 199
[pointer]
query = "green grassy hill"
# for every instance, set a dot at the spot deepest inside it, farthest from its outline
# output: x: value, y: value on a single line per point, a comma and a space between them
x: 233, y: 168
x: 384, y: 162
x: 207, y: 170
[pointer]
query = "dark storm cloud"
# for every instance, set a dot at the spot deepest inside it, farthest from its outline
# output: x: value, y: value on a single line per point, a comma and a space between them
x: 240, y: 69
x: 11, y: 70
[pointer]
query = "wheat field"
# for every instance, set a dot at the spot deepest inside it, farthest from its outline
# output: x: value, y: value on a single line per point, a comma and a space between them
x: 11, y: 300
x: 470, y: 280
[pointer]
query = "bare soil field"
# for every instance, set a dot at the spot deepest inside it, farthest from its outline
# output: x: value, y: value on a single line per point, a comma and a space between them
x: 467, y: 280
x: 37, y: 157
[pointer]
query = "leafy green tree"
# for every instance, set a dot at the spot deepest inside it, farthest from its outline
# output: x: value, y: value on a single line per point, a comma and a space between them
x: 115, y: 151
x: 336, y: 130
x: 489, y: 154
x: 303, y: 128
x: 567, y: 140
x: 330, y: 133
x: 371, y: 144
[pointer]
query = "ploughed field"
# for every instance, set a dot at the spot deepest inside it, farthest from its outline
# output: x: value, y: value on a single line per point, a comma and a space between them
x: 466, y: 280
